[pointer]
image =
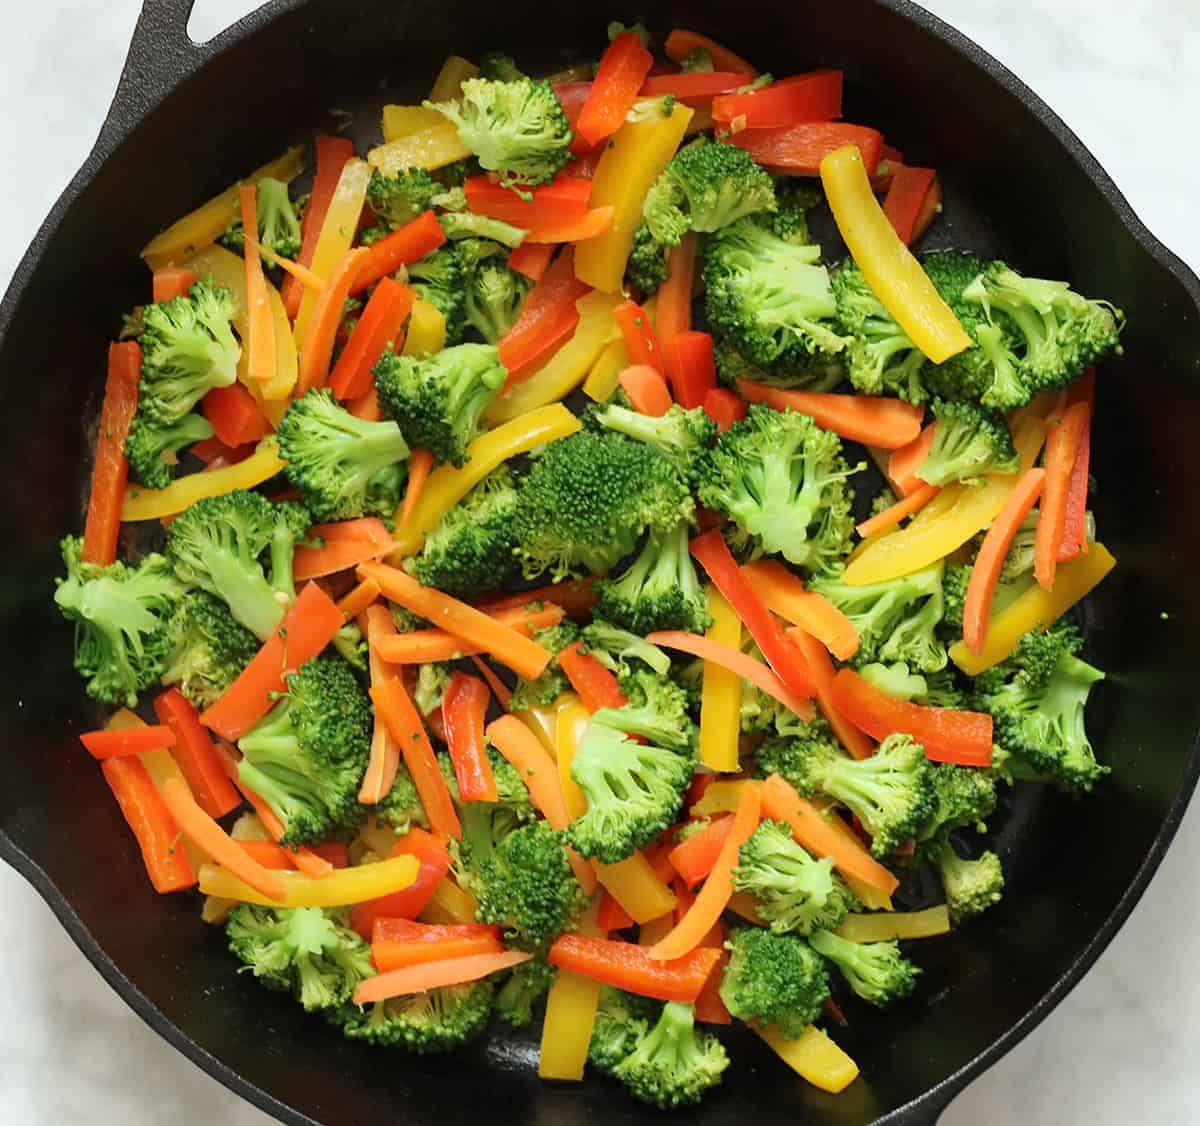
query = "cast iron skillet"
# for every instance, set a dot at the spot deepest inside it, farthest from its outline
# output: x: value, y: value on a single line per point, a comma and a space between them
x: 186, y: 121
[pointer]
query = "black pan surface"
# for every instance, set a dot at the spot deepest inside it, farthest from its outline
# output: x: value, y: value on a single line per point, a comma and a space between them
x: 176, y: 133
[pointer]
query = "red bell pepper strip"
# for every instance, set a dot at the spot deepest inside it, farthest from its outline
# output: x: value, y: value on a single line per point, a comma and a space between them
x: 929, y: 209
x: 334, y: 853
x: 111, y: 468
x: 640, y: 341
x: 171, y: 282
x: 531, y: 259
x: 623, y: 68
x: 409, y: 244
x: 237, y: 420
x: 332, y: 154
x: 464, y: 709
x: 798, y: 150
x: 712, y: 553
x: 905, y: 199
x: 821, y: 667
x: 195, y: 755
x: 1075, y: 521
x: 693, y: 371
x: 628, y: 966
x: 694, y: 858
x: 691, y: 89
x: 674, y: 310
x: 816, y: 96
x: 396, y: 943
x: 596, y: 686
x: 1062, y: 449
x: 681, y: 43
x: 434, y: 861
x: 548, y: 319
x: 216, y: 455
x: 948, y: 735
x: 724, y: 407
x: 379, y: 325
x: 573, y: 96
x: 583, y: 166
x: 563, y: 199
x: 115, y: 743
x: 647, y: 390
x: 611, y: 916
x: 874, y: 420
x: 889, y: 160
x: 146, y: 814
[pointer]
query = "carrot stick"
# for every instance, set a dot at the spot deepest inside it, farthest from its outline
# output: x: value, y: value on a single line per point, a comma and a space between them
x: 393, y: 703
x: 269, y: 854
x: 1075, y: 522
x: 575, y: 596
x: 903, y: 463
x: 871, y: 419
x: 171, y: 282
x: 209, y: 837
x: 384, y: 760
x: 362, y: 596
x: 736, y: 662
x: 689, y: 932
x: 628, y: 966
x: 985, y: 574
x: 117, y: 742
x: 153, y: 826
x: 1062, y: 447
x: 420, y: 463
x: 195, y: 755
x: 893, y: 514
x: 695, y: 857
x: 419, y: 647
x: 647, y: 390
x: 500, y: 690
x: 596, y: 687
x: 316, y: 352
x: 260, y: 342
x: 302, y: 274
x: 111, y: 469
x: 673, y: 313
x: 823, y: 672
x: 523, y: 656
x: 785, y: 595
x: 434, y: 975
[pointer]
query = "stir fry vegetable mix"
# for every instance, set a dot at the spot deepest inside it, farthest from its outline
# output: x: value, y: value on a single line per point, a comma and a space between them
x: 687, y: 778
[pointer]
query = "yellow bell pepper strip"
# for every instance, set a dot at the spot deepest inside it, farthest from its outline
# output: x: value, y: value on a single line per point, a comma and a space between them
x: 448, y: 84
x: 449, y: 904
x: 154, y: 504
x: 570, y: 1013
x: 813, y: 1057
x: 882, y: 926
x: 634, y: 885
x: 570, y: 724
x: 948, y: 521
x: 416, y: 137
x: 721, y: 797
x: 562, y: 373
x: 888, y: 265
x: 634, y: 156
x: 1036, y: 609
x: 403, y: 121
x: 721, y: 692
x: 543, y: 722
x: 426, y: 332
x: 208, y: 222
x: 447, y: 486
x: 228, y: 270
x: 341, y: 887
x: 337, y: 235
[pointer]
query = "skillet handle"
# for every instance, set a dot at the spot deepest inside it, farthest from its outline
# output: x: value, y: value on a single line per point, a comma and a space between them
x: 930, y: 1109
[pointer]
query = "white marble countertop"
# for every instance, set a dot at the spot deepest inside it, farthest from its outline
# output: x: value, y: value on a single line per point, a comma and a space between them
x: 1119, y: 1050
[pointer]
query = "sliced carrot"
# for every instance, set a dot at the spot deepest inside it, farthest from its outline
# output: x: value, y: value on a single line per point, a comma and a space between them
x: 111, y: 469
x: 152, y: 824
x: 375, y: 332
x: 396, y: 708
x: 1062, y: 448
x: 622, y: 70
x: 688, y: 933
x: 302, y: 274
x: 724, y: 407
x: 117, y: 742
x: 385, y: 751
x: 464, y: 709
x: 346, y: 544
x: 673, y: 311
x: 171, y: 282
x: 270, y: 855
x: 823, y: 672
x: 681, y: 43
x: 873, y: 420
x: 195, y: 755
x: 433, y: 862
x: 500, y: 690
x: 354, y: 603
x: 695, y: 857
x: 402, y: 247
x: 784, y: 594
x: 531, y: 259
x: 780, y: 802
x: 684, y: 898
x: 902, y: 464
x: 420, y: 463
x: 523, y: 656
x: 419, y: 647
x: 575, y: 596
x: 316, y: 352
x: 893, y: 514
x: 596, y: 687
x: 628, y: 966
x: 435, y: 975
x: 640, y: 342
x: 260, y: 337
x: 1075, y: 522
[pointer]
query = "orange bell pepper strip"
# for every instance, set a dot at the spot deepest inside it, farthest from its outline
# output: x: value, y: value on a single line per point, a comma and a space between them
x: 464, y: 709
x: 673, y: 309
x: 316, y: 353
x: 873, y: 420
x: 985, y: 572
x: 358, y: 599
x: 236, y: 418
x: 647, y: 390
x: 681, y: 43
x: 532, y: 258
x: 611, y: 915
x: 260, y: 343
x: 622, y: 70
x: 118, y: 742
x: 902, y: 464
x: 347, y: 543
x: 433, y: 862
x: 547, y: 319
x: 377, y: 329
x: 575, y: 596
x: 625, y: 965
x: 784, y: 594
x: 1062, y: 448
x: 724, y: 407
x: 640, y: 343
x: 893, y: 514
x: 815, y: 96
x: 498, y: 688
x: 195, y: 755
x: 409, y: 244
x: 270, y: 855
x: 798, y: 150
x: 689, y: 932
x: 435, y: 975
x: 696, y: 857
x: 171, y: 282
x: 596, y: 687
x: 396, y: 943
x: 690, y: 363
x: 111, y: 469
x: 377, y: 624
x: 948, y: 735
x: 712, y: 553
x: 906, y: 199
x: 821, y: 667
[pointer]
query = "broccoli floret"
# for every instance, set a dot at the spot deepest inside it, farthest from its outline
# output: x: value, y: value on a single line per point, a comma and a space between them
x: 793, y: 372
x: 969, y: 374
x: 782, y: 478
x: 471, y: 548
x: 399, y: 199
x: 433, y: 678
x: 679, y: 435
x: 437, y: 401
x: 343, y: 466
x: 617, y: 648
x: 500, y: 68
x: 466, y: 225
x: 955, y: 579
x: 674, y: 1063
x: 775, y: 979
x: 513, y: 805
x: 494, y: 298
x: 206, y: 649
x: 153, y: 448
x: 770, y: 296
x: 616, y: 28
x: 304, y: 951
x: 763, y: 714
x: 706, y: 187
x: 622, y: 1019
x: 401, y: 806
x: 659, y: 590
x: 881, y: 359
x: 305, y: 758
x: 891, y: 793
x: 351, y: 646
x: 697, y: 61
x: 1019, y: 560
x: 516, y: 997
x: 588, y: 498
x: 438, y: 1020
x: 896, y: 620
x: 790, y: 753
x: 895, y: 680
x: 634, y: 791
x: 1037, y: 699
x: 963, y: 796
x: 943, y: 690
x: 216, y: 544
x: 647, y: 268
x: 657, y: 711
x: 971, y: 886
x: 438, y: 279
x: 969, y: 442
x: 793, y: 891
x: 278, y: 223
x: 876, y: 971
x: 121, y: 616
x: 518, y: 128
x: 542, y: 691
